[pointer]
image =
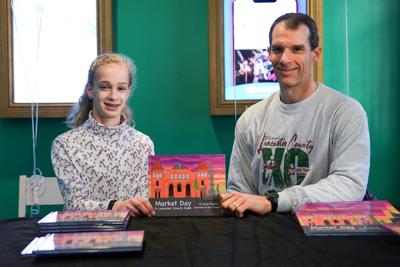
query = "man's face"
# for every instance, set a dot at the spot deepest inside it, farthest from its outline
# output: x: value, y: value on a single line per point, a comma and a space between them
x: 292, y: 57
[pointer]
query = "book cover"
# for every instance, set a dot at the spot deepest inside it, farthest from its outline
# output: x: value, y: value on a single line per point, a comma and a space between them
x: 90, y: 242
x: 347, y: 218
x: 85, y: 217
x: 349, y: 205
x: 84, y: 221
x: 186, y: 185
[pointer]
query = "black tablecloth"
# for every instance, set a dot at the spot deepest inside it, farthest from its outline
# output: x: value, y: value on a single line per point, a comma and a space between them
x: 273, y: 240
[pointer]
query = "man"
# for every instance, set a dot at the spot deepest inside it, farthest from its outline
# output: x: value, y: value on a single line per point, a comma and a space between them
x: 305, y: 143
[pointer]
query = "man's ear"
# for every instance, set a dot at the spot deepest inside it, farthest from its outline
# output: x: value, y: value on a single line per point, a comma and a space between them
x: 89, y: 91
x: 317, y: 52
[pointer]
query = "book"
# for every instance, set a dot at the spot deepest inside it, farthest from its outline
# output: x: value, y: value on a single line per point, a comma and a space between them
x: 186, y: 185
x: 85, y: 242
x: 393, y: 227
x: 74, y: 221
x: 347, y: 218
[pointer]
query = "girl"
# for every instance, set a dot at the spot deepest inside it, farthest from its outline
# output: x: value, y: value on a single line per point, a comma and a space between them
x: 102, y: 162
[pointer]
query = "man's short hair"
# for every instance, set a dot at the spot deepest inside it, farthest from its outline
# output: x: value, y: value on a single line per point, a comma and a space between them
x: 293, y: 21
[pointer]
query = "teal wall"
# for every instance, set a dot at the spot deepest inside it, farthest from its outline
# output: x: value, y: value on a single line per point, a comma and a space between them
x: 169, y: 42
x: 373, y: 37
x: 16, y: 156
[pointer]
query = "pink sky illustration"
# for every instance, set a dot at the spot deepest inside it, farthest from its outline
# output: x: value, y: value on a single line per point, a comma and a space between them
x: 191, y: 161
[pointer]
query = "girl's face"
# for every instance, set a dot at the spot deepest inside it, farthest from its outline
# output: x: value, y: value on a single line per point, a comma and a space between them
x: 109, y: 92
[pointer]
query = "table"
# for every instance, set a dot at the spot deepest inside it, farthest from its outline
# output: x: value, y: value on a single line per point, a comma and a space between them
x: 272, y: 240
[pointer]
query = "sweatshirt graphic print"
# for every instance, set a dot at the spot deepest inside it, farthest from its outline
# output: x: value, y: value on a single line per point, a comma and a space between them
x: 286, y: 162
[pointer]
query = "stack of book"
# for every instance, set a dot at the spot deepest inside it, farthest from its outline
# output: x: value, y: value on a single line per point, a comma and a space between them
x: 76, y: 232
x: 347, y: 218
x: 89, y: 242
x: 84, y: 221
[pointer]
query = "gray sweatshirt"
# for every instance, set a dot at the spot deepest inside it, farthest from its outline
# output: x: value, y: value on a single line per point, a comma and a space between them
x: 314, y: 150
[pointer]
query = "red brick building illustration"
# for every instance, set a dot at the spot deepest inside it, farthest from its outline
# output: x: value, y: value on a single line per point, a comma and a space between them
x: 180, y: 182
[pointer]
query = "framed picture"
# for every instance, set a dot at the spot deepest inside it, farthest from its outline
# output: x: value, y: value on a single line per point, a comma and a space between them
x: 240, y: 72
x: 42, y: 43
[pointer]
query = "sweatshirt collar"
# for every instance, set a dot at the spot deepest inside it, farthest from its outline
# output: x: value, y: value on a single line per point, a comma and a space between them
x: 299, y: 106
x: 100, y: 129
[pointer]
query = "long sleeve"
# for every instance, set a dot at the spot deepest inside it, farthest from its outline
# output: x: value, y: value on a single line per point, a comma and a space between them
x: 76, y: 192
x: 240, y: 172
x: 142, y: 169
x: 348, y: 166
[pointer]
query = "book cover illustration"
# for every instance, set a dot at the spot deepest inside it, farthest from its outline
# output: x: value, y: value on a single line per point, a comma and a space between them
x: 349, y: 205
x: 90, y: 242
x: 186, y: 185
x: 84, y: 221
x: 393, y: 227
x: 347, y: 218
x: 94, y: 216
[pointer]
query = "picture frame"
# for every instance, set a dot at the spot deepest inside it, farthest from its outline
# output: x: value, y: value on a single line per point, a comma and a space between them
x: 219, y: 104
x: 8, y: 107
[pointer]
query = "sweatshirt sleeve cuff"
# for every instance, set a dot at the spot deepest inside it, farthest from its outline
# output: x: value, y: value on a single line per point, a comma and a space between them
x: 283, y: 202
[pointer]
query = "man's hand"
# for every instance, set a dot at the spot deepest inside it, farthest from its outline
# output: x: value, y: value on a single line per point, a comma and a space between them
x: 238, y: 203
x: 136, y: 205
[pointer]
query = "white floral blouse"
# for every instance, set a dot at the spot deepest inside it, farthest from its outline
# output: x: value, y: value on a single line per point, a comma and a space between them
x: 96, y: 164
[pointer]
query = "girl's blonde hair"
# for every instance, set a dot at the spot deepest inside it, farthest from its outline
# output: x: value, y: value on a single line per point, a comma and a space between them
x: 80, y: 111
